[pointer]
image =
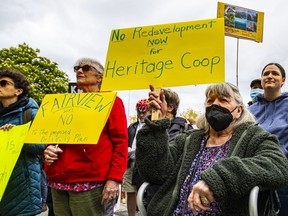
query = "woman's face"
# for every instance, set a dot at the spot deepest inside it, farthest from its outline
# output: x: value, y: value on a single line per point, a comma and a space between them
x: 87, y: 77
x: 226, y: 102
x: 272, y: 78
x: 7, y: 89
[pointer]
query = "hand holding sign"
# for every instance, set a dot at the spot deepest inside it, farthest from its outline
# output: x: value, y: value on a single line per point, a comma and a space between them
x: 157, y: 103
x: 51, y: 153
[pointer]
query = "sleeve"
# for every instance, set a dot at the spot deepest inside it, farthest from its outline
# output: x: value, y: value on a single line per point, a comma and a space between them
x: 155, y: 156
x: 119, y: 137
x: 259, y: 161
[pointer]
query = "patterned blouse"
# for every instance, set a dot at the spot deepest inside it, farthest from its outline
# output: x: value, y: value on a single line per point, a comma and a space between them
x: 205, y: 158
x: 76, y: 187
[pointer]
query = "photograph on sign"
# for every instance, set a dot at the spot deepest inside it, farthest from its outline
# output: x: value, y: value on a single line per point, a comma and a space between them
x: 242, y: 22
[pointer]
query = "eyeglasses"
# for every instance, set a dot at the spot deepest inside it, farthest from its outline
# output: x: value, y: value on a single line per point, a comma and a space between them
x: 85, y: 68
x: 3, y: 83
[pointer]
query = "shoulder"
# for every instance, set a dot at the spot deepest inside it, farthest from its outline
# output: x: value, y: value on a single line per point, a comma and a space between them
x: 118, y: 105
x: 32, y: 104
x: 253, y: 131
x: 118, y: 100
x: 283, y: 98
x: 134, y: 124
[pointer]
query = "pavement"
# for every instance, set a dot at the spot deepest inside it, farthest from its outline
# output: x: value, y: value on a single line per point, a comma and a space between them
x: 120, y: 210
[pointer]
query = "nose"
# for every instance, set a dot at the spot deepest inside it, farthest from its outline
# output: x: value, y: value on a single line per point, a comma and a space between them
x: 141, y: 114
x: 270, y: 75
x: 216, y: 101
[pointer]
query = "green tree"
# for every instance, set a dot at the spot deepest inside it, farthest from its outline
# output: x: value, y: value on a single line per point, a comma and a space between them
x: 43, y: 74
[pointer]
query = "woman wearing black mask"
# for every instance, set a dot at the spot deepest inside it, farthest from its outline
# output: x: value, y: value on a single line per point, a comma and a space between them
x: 213, y: 170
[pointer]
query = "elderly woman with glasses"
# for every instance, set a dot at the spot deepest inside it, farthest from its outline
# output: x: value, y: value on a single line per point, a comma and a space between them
x: 23, y: 192
x: 85, y: 178
x: 210, y: 170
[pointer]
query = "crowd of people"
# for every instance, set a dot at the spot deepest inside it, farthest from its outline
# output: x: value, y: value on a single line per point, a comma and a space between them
x: 205, y: 169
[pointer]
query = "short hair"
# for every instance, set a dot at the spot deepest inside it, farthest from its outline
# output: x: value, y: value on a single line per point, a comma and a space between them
x: 19, y: 80
x: 282, y: 70
x: 172, y: 99
x: 255, y: 81
x: 231, y: 91
x: 92, y: 62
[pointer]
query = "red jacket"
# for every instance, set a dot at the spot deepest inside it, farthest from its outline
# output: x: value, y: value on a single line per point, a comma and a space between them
x: 105, y: 161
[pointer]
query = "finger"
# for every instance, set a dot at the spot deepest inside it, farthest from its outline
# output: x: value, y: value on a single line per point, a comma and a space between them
x: 107, y: 197
x: 192, y: 203
x: 198, y: 203
x: 104, y: 197
x: 210, y: 197
x: 153, y: 95
x: 151, y: 87
x: 204, y: 200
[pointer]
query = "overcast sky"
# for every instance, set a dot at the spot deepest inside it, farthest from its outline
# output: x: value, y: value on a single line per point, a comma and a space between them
x: 65, y: 30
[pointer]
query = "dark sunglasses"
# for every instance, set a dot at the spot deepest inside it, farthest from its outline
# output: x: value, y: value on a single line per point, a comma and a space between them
x: 3, y: 83
x: 85, y: 68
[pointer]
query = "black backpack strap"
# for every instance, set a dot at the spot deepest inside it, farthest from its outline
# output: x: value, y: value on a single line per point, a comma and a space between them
x: 27, y: 115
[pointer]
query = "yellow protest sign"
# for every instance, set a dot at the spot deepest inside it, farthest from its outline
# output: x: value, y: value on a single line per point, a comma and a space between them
x: 10, y: 148
x: 71, y: 118
x: 165, y: 55
x: 242, y: 22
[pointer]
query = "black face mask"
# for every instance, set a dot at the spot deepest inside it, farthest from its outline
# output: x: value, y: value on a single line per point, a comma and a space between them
x: 218, y: 117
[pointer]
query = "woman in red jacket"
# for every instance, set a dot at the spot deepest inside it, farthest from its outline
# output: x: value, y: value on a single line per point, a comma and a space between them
x: 83, y: 178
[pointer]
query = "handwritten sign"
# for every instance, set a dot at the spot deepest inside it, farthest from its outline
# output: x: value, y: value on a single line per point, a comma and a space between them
x: 10, y: 148
x: 165, y: 55
x: 71, y: 118
x: 242, y: 22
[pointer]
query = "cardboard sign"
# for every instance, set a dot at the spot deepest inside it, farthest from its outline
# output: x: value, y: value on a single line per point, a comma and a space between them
x: 71, y: 118
x: 167, y: 55
x: 10, y: 148
x: 242, y: 22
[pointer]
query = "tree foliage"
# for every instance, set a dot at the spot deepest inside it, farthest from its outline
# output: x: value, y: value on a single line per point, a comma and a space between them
x: 132, y: 119
x: 43, y: 74
x: 189, y: 114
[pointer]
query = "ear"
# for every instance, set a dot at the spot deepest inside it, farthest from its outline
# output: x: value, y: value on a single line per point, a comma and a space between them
x: 283, y: 81
x: 99, y: 78
x: 239, y: 111
x: 170, y: 108
x: 18, y: 91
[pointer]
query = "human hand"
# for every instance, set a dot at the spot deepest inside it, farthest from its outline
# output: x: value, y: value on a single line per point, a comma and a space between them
x: 110, y: 191
x: 157, y: 102
x: 130, y: 149
x: 200, y: 197
x: 6, y: 127
x: 51, y: 153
